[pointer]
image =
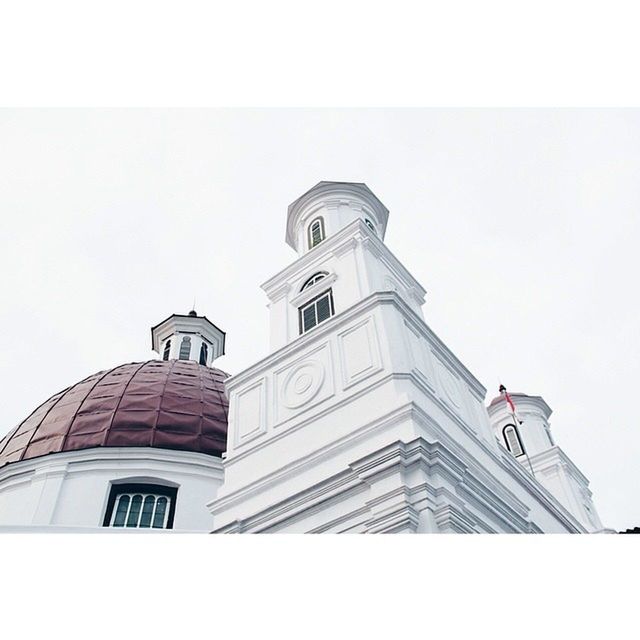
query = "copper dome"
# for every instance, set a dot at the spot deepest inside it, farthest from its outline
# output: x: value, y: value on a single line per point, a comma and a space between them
x: 177, y: 404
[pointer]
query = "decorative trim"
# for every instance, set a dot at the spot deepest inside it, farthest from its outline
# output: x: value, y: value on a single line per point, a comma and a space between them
x: 280, y: 292
x: 369, y: 326
x: 547, y: 456
x: 109, y: 458
x: 311, y: 292
x: 346, y: 247
x: 261, y: 426
x: 343, y: 318
x: 452, y: 520
x: 397, y: 509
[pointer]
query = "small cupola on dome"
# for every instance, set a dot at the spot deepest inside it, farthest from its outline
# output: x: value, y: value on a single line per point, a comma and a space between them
x: 330, y: 206
x: 188, y: 337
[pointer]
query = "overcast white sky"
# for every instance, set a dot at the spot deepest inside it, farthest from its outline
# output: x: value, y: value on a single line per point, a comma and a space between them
x: 521, y: 224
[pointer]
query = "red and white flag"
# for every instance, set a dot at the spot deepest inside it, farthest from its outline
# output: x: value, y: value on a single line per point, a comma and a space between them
x: 507, y: 397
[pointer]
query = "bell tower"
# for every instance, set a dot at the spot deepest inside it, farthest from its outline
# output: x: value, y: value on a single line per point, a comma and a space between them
x: 361, y: 419
x: 337, y: 230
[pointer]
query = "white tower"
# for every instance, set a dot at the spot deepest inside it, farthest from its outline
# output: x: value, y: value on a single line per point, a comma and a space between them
x: 526, y: 434
x: 361, y: 419
x: 337, y: 230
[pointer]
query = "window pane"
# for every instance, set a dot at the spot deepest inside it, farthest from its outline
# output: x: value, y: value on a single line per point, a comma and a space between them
x: 134, y: 512
x: 167, y: 347
x: 204, y: 351
x: 313, y: 279
x: 323, y: 308
x: 161, y: 508
x: 147, y: 511
x: 121, y: 511
x: 513, y: 443
x: 316, y: 233
x: 185, y: 348
x: 309, y: 317
x: 508, y: 434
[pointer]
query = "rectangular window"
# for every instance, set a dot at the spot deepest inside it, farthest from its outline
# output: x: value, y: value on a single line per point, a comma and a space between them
x: 141, y: 506
x: 316, y: 311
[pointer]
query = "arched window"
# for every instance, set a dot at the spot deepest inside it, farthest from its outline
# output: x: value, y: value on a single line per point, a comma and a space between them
x: 316, y: 232
x: 512, y: 440
x: 167, y: 348
x: 316, y: 277
x: 316, y: 311
x: 204, y: 353
x: 141, y: 506
x: 185, y: 348
x: 370, y: 225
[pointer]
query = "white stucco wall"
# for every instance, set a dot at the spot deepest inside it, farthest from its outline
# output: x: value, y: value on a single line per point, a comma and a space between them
x: 71, y: 489
x: 367, y: 422
x: 333, y: 455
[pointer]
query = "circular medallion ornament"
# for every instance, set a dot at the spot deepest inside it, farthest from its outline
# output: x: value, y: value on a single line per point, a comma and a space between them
x: 302, y: 384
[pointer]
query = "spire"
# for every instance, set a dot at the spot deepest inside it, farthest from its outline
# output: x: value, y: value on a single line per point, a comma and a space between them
x: 188, y: 337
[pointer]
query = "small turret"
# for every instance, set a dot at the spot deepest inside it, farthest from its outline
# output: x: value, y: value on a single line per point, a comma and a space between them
x: 521, y: 424
x: 330, y: 206
x: 520, y: 419
x: 188, y: 337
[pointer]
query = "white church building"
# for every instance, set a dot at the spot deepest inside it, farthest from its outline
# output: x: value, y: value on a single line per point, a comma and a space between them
x: 359, y: 420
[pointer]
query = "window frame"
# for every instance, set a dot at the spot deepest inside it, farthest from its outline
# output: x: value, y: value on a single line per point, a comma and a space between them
x: 203, y: 348
x: 323, y: 234
x: 313, y: 280
x: 371, y: 225
x: 185, y: 340
x: 116, y: 490
x: 506, y: 441
x: 313, y: 301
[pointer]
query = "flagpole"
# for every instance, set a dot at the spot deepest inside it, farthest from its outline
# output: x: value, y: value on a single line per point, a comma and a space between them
x: 507, y: 398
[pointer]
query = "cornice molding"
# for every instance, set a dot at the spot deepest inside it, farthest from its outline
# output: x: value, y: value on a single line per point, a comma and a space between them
x: 111, y: 458
x: 318, y: 254
x: 396, y: 509
x: 555, y: 455
x: 322, y: 331
x: 311, y: 292
x: 526, y: 405
x: 354, y: 234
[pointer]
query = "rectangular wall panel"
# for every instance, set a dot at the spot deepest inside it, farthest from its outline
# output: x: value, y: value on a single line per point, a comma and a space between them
x: 359, y: 352
x: 250, y: 418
